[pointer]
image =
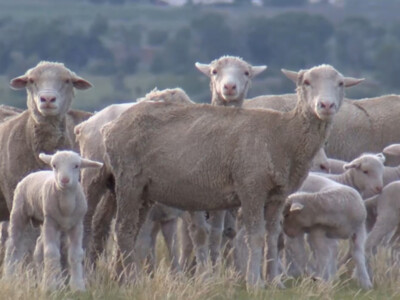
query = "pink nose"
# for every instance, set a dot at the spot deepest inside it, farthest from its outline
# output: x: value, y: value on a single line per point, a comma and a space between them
x: 65, y: 180
x: 47, y: 99
x: 326, y: 105
x: 230, y: 87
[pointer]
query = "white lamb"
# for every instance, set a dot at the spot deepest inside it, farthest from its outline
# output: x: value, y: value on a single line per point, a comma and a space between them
x: 332, y: 211
x: 55, y: 198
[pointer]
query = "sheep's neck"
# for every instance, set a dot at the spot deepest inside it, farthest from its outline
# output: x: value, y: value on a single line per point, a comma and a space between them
x: 66, y: 200
x: 345, y: 179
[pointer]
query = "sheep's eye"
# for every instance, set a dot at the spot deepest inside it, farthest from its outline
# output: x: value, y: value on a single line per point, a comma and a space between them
x: 365, y: 172
x: 54, y: 166
x: 76, y: 166
x: 247, y: 73
x: 67, y: 81
x: 341, y: 83
x: 306, y: 82
x: 31, y: 81
x: 214, y: 72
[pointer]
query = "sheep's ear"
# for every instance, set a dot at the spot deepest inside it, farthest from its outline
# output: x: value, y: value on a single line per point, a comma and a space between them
x: 77, y: 129
x: 393, y: 149
x: 350, y: 81
x: 381, y: 157
x: 203, y: 68
x: 296, y: 207
x: 87, y: 163
x: 257, y: 70
x: 46, y: 158
x: 352, y: 165
x: 19, y: 82
x: 292, y: 75
x: 80, y: 83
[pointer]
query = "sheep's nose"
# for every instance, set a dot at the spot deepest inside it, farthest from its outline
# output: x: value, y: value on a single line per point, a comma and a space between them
x: 326, y: 105
x: 48, y: 99
x: 230, y: 87
x: 65, y: 180
x: 378, y: 189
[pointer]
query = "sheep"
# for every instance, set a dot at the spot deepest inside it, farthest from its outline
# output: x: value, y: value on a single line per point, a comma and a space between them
x: 97, y: 184
x: 365, y: 174
x: 56, y: 199
x: 220, y: 157
x: 43, y: 127
x: 391, y: 174
x: 230, y: 79
x: 320, y: 162
x: 334, y: 211
x: 336, y: 166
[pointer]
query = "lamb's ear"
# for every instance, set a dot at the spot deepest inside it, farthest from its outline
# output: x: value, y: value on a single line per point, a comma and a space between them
x: 381, y: 157
x: 77, y: 129
x: 87, y: 163
x: 203, y: 68
x: 350, y: 81
x: 80, y: 83
x: 292, y: 75
x: 393, y: 149
x: 19, y: 82
x: 296, y: 207
x: 46, y: 158
x: 352, y: 165
x: 257, y: 70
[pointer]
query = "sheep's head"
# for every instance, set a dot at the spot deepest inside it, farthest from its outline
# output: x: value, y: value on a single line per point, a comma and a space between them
x: 292, y: 213
x: 322, y: 87
x: 50, y: 87
x: 230, y: 79
x: 366, y: 172
x: 320, y: 162
x: 66, y: 166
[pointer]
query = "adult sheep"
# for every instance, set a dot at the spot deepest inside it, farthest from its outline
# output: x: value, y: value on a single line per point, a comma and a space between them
x: 43, y: 127
x: 202, y: 157
x: 365, y: 125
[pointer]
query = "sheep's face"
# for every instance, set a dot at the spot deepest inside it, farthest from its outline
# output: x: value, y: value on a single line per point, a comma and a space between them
x: 230, y: 79
x: 50, y: 87
x: 320, y: 162
x: 66, y: 166
x: 367, y: 173
x: 322, y: 87
x: 292, y: 219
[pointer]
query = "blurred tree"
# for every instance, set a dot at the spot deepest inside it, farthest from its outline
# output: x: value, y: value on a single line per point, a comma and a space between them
x: 292, y: 40
x: 387, y: 65
x: 285, y: 2
x: 214, y: 36
x: 99, y: 26
x: 157, y: 37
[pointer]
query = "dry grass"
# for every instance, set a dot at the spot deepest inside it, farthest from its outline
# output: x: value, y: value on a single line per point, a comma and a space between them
x: 223, y: 283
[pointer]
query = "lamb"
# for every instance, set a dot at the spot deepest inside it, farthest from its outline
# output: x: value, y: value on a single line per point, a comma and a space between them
x: 320, y: 162
x: 211, y: 155
x: 55, y: 198
x: 365, y: 174
x: 230, y: 79
x: 334, y: 211
x: 373, y: 123
x: 336, y: 166
x: 43, y: 127
x: 391, y: 174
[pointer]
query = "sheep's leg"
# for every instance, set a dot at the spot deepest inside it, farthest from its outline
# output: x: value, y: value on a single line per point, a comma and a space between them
x: 186, y: 244
x: 216, y: 221
x: 14, y: 251
x: 75, y: 258
x: 38, y: 255
x: 385, y: 223
x: 51, y: 248
x: 296, y: 255
x: 253, y: 220
x: 228, y: 235
x: 101, y: 224
x: 3, y: 239
x: 273, y: 212
x: 199, y: 232
x: 168, y: 229
x: 358, y: 246
x: 240, y: 252
x: 319, y: 245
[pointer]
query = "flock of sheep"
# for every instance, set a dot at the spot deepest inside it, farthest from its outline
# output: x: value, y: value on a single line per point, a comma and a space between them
x: 244, y: 173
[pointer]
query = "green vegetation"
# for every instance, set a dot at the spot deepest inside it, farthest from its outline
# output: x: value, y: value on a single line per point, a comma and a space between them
x: 129, y: 47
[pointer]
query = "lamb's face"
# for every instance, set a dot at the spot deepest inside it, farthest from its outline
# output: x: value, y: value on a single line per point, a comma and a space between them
x: 367, y: 173
x: 50, y: 87
x: 66, y: 168
x: 292, y: 218
x: 230, y: 78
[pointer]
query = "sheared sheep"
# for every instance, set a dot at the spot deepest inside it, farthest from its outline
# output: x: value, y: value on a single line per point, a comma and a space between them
x: 220, y: 157
x: 55, y: 198
x: 334, y: 212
